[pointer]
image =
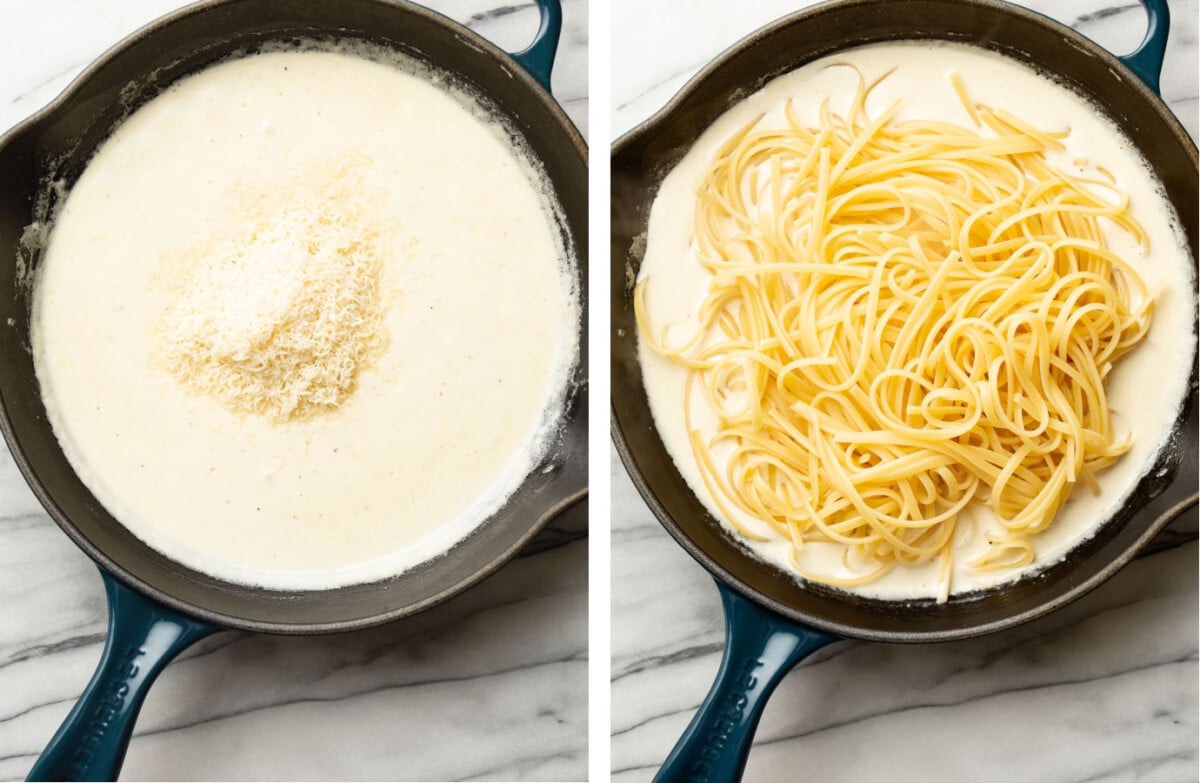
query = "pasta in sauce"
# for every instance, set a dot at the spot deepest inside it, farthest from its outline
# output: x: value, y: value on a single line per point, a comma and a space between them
x: 903, y: 318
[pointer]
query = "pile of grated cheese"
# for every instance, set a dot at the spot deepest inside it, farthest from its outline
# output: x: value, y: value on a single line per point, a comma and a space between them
x: 278, y: 315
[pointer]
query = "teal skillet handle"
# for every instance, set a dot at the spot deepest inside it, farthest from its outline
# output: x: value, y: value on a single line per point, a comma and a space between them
x: 1147, y: 60
x: 143, y: 636
x: 538, y: 57
x: 760, y: 647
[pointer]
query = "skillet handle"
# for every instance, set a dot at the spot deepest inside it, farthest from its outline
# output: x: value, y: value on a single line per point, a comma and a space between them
x: 760, y: 647
x: 538, y: 57
x: 143, y: 636
x: 1147, y: 60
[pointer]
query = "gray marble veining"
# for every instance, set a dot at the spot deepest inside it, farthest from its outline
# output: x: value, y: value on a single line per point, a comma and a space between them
x: 1104, y: 690
x: 489, y: 686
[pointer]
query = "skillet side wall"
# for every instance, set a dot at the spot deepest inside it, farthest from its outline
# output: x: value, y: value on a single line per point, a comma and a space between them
x: 64, y: 139
x: 647, y: 154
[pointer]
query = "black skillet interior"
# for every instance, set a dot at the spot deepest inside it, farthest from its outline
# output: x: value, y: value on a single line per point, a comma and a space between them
x: 62, y: 139
x: 641, y: 160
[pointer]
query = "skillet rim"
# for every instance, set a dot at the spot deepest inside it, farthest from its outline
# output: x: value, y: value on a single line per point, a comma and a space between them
x: 576, y: 404
x: 687, y: 93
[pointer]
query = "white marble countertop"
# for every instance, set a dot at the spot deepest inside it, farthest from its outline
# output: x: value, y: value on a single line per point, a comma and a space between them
x: 1105, y: 690
x: 489, y: 686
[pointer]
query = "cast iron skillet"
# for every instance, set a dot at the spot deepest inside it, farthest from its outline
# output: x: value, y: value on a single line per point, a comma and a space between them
x: 158, y: 607
x: 772, y: 620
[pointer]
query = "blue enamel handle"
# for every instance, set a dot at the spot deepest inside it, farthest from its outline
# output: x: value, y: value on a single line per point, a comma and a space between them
x: 143, y: 637
x: 1147, y: 60
x: 760, y: 647
x: 538, y: 57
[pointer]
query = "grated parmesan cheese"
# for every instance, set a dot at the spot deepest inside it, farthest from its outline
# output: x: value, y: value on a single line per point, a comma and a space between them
x: 278, y: 317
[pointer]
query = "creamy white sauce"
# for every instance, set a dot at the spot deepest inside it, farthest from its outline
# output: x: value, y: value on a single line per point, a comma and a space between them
x: 1145, y: 389
x: 442, y: 429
